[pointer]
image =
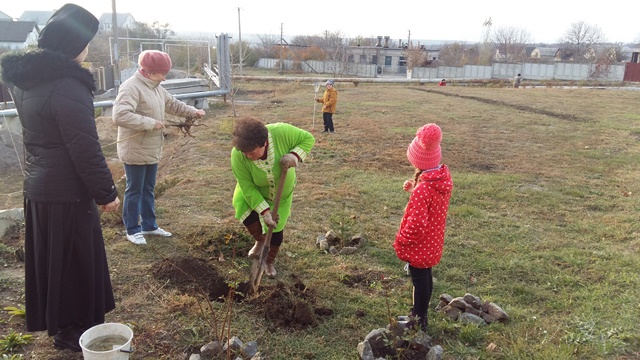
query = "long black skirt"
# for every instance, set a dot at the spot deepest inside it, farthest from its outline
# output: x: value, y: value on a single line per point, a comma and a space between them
x: 66, y: 272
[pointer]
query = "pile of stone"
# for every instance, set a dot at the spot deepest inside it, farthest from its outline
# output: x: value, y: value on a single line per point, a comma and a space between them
x: 471, y: 309
x: 398, y: 341
x: 216, y: 350
x: 334, y: 245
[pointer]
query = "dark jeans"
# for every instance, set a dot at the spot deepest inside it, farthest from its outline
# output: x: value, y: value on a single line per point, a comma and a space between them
x: 422, y: 288
x: 139, y: 202
x: 328, y: 121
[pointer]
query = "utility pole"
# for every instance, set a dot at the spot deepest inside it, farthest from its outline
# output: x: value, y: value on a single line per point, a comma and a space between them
x: 114, y: 29
x: 409, y: 39
x: 281, y: 47
x: 239, y: 42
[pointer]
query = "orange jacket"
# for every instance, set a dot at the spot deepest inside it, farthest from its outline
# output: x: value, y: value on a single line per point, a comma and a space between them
x: 329, y: 100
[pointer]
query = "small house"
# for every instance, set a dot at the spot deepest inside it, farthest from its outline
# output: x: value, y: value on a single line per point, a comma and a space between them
x: 125, y: 20
x: 16, y: 35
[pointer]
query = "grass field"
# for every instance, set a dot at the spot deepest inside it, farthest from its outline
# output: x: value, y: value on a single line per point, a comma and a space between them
x: 543, y: 222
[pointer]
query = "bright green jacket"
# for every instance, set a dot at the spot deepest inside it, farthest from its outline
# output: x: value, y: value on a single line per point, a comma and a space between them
x: 257, y: 180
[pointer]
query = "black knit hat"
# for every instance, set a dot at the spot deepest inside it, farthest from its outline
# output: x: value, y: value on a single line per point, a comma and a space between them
x: 69, y: 30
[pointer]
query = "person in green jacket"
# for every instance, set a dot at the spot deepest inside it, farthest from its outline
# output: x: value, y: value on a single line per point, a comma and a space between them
x: 259, y: 156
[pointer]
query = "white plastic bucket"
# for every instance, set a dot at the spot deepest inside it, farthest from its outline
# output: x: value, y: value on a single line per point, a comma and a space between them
x: 120, y: 352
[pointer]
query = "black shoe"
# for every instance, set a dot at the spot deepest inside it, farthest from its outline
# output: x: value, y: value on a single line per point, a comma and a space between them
x: 68, y: 338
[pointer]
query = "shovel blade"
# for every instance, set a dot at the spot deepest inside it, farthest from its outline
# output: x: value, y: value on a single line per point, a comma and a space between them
x: 255, y: 274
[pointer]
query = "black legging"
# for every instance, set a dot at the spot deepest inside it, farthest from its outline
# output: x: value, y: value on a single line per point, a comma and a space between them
x: 276, y: 237
x: 422, y: 288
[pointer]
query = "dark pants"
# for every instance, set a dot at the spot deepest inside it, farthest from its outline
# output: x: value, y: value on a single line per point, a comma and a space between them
x: 276, y: 237
x: 422, y: 288
x: 328, y: 121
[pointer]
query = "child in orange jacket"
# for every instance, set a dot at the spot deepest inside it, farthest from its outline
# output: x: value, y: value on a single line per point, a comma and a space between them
x: 420, y: 240
x: 329, y: 103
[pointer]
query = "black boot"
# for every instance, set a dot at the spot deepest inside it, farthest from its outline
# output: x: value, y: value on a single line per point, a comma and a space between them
x: 68, y: 338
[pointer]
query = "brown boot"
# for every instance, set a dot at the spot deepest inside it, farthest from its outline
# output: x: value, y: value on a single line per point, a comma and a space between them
x: 269, y: 267
x: 255, y: 230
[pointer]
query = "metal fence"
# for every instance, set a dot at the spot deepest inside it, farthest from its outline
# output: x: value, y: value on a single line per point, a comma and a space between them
x: 533, y: 71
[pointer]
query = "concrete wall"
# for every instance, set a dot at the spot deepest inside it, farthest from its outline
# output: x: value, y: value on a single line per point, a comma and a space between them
x: 504, y: 71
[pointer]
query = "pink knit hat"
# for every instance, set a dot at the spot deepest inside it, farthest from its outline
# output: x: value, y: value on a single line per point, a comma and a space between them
x: 155, y: 62
x: 424, y: 151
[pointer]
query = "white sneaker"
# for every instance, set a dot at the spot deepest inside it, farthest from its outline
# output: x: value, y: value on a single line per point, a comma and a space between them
x: 137, y: 239
x: 157, y: 232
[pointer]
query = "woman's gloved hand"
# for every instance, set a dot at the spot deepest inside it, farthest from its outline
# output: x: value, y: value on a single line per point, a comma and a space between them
x: 289, y: 160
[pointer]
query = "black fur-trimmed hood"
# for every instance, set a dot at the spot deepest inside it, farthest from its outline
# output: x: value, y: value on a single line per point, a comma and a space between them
x: 29, y: 68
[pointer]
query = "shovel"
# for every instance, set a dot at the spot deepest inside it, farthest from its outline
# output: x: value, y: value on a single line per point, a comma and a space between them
x: 257, y: 265
x: 315, y: 95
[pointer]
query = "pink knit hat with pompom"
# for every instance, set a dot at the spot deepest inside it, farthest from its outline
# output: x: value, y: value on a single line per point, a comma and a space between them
x: 424, y: 151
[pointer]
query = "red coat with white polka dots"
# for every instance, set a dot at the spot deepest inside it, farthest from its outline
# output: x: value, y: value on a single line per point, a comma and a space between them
x: 420, y: 240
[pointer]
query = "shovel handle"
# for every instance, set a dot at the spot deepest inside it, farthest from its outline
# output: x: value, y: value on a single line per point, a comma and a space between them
x: 256, y: 275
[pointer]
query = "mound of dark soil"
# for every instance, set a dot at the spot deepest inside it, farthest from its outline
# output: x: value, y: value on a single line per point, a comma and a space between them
x: 290, y: 305
x: 192, y: 276
x: 286, y: 304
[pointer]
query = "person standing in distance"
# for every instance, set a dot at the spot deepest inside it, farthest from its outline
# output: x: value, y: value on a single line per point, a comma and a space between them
x: 517, y: 80
x: 329, y: 103
x: 139, y: 111
x: 67, y: 283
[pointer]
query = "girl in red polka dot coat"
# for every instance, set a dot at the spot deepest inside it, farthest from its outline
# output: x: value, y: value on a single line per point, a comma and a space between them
x: 420, y: 239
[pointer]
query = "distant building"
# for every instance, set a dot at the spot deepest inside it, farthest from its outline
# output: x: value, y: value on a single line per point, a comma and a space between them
x: 635, y: 55
x: 38, y: 17
x: 528, y: 50
x: 5, y: 17
x: 384, y: 55
x: 125, y: 20
x: 566, y: 54
x: 544, y: 53
x: 16, y: 35
x: 612, y: 52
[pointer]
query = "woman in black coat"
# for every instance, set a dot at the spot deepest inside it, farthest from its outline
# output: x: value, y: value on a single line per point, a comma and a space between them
x: 67, y: 284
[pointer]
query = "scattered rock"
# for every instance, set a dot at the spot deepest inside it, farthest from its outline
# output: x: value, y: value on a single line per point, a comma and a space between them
x: 471, y: 309
x: 334, y: 245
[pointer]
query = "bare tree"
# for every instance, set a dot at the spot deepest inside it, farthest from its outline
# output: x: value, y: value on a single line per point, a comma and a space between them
x: 249, y: 55
x: 99, y: 50
x: 618, y: 53
x: 581, y: 35
x: 362, y: 41
x: 153, y: 30
x: 268, y: 46
x: 452, y: 54
x: 510, y: 42
x: 416, y: 57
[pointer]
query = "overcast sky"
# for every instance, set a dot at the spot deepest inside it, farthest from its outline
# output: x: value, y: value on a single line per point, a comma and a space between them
x: 462, y: 20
